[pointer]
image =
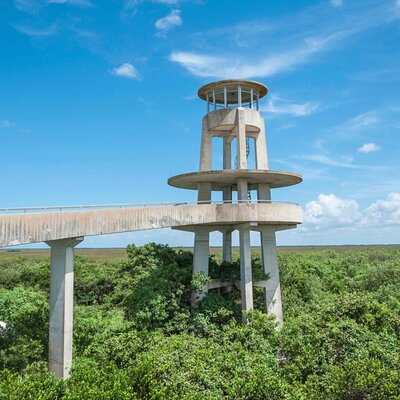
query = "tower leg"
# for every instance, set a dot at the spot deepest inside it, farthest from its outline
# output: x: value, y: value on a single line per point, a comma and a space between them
x: 200, y: 262
x: 61, y: 305
x: 272, y: 292
x: 246, y: 282
x: 227, y: 246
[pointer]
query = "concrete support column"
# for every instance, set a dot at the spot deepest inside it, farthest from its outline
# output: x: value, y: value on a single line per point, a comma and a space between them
x: 206, y: 147
x: 240, y: 131
x: 246, y: 280
x: 273, y: 301
x: 204, y: 193
x: 261, y: 150
x: 200, y: 261
x: 242, y: 190
x: 227, y: 246
x: 61, y: 305
x: 264, y: 193
x: 227, y: 162
x: 227, y: 234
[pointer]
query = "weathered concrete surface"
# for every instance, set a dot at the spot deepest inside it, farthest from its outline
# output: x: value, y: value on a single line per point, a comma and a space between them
x: 18, y: 229
x: 221, y: 179
x: 61, y: 306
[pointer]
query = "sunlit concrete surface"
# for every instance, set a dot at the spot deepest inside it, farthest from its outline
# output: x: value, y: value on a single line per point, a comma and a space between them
x: 17, y: 229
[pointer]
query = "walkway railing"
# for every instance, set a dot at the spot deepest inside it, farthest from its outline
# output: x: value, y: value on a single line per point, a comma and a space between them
x: 26, y: 210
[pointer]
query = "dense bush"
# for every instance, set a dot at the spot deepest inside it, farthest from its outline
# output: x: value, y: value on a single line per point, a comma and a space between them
x: 135, y: 336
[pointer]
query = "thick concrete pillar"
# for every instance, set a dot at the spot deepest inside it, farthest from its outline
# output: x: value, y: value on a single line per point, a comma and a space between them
x: 273, y: 300
x: 240, y: 131
x: 204, y: 193
x: 261, y: 150
x: 264, y: 193
x: 246, y: 280
x: 242, y: 190
x: 227, y: 161
x: 227, y: 234
x: 206, y: 147
x: 61, y: 305
x: 200, y: 261
x: 227, y: 246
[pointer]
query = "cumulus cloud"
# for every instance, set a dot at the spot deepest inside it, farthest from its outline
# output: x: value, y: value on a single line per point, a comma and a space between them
x: 5, y: 123
x: 368, y: 148
x: 331, y: 212
x: 171, y: 20
x: 384, y: 212
x: 281, y: 107
x: 126, y: 70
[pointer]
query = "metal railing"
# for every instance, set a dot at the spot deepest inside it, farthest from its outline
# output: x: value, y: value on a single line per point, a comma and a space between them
x: 26, y: 210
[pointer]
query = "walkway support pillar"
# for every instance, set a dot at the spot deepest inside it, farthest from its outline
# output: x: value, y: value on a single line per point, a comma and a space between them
x: 246, y: 280
x: 61, y: 305
x: 272, y: 291
x: 200, y: 261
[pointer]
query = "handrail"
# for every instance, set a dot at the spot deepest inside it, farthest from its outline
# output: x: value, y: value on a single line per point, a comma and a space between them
x: 25, y: 210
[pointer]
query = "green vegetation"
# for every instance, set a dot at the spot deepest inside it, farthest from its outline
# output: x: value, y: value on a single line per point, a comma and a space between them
x: 136, y: 338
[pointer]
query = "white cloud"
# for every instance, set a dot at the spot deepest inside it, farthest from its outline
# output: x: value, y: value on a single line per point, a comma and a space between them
x: 345, y: 162
x: 336, y: 3
x: 361, y: 121
x: 280, y: 107
x: 79, y: 3
x: 331, y: 211
x: 34, y: 32
x: 368, y: 148
x: 166, y: 23
x: 5, y: 123
x: 219, y: 67
x: 384, y: 212
x: 126, y: 71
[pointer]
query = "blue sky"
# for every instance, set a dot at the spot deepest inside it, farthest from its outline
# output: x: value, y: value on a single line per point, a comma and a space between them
x: 98, y: 104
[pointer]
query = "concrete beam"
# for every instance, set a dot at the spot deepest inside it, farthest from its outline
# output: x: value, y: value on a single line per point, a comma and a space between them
x: 61, y: 305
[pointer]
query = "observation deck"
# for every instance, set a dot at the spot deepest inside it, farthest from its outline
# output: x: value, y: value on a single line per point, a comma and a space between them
x: 232, y: 93
x: 221, y: 179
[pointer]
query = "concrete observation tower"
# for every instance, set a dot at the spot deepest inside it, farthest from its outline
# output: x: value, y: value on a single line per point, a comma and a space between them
x: 233, y: 116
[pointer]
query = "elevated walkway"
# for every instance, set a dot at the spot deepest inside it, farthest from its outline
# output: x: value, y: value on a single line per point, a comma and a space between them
x: 41, y: 224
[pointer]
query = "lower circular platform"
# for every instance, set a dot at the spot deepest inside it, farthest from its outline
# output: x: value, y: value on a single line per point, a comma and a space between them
x: 221, y: 179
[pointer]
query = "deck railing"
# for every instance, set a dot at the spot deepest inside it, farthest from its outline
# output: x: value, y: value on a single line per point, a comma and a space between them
x: 26, y: 210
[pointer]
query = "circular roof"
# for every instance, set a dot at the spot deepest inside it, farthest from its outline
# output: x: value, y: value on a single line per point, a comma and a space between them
x: 228, y: 177
x: 231, y: 85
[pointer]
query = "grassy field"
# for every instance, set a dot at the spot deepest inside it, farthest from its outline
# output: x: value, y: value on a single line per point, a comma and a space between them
x: 113, y: 253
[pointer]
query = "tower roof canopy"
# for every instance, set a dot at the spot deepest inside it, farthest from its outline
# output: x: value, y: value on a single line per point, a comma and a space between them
x: 231, y: 85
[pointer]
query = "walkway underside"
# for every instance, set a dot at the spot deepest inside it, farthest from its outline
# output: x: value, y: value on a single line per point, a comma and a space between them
x: 16, y: 229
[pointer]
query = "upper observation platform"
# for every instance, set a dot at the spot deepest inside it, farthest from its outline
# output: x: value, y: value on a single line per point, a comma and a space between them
x: 221, y: 179
x: 232, y: 93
